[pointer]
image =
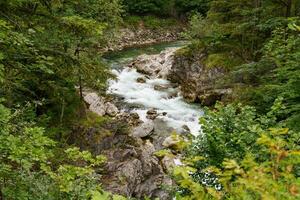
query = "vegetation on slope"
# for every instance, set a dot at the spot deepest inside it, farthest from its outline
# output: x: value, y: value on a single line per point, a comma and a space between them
x: 250, y: 151
x: 47, y: 48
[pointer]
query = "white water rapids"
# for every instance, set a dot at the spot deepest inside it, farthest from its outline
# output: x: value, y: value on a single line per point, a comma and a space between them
x: 179, y: 113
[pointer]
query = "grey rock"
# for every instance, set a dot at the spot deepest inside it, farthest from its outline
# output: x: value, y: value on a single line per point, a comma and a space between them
x: 172, y: 141
x: 143, y: 130
x: 111, y: 109
x: 96, y: 103
x: 157, y: 65
x: 160, y: 87
x: 198, y: 83
x: 141, y: 80
x: 168, y: 163
x: 152, y: 114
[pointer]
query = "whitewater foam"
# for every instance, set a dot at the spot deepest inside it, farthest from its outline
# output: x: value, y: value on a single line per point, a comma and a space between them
x: 179, y: 113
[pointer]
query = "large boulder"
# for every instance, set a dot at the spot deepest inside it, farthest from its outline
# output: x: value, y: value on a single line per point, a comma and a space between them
x: 135, y: 173
x: 144, y: 130
x: 111, y: 109
x: 96, y: 103
x: 175, y: 142
x: 141, y: 80
x: 157, y: 65
x: 152, y: 114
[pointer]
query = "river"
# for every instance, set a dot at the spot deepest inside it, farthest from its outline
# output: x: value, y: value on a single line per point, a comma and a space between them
x: 140, y: 97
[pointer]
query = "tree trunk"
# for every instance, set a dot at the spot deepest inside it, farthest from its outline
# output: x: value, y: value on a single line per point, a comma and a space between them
x: 288, y: 8
x: 76, y: 53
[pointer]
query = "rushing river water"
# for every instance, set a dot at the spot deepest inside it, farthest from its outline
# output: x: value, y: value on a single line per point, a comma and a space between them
x: 142, y: 96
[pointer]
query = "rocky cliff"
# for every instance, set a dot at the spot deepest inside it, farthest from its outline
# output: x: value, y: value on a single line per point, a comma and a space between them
x: 130, y: 146
x: 198, y: 83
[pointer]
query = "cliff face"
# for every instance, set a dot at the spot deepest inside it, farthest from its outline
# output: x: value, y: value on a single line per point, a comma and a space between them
x: 198, y: 83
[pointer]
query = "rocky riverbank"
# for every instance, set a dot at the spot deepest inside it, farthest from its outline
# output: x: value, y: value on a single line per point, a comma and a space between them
x: 197, y: 82
x: 141, y: 152
x: 132, y: 169
x: 126, y: 38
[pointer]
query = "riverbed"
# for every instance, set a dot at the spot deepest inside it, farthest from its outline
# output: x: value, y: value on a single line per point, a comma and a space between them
x: 174, y: 113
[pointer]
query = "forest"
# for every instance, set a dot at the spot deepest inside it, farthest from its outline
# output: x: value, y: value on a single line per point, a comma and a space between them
x: 240, y: 64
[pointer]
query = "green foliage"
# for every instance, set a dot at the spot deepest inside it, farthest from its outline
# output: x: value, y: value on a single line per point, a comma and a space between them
x: 277, y: 74
x: 30, y: 169
x: 147, y: 6
x: 173, y: 8
x: 47, y: 48
x: 249, y: 160
x: 258, y: 43
x: 150, y: 22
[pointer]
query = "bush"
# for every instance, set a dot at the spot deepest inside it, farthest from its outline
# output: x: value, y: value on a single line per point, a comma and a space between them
x: 240, y: 156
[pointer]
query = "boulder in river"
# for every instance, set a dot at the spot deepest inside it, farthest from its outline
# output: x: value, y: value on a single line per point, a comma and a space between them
x: 141, y: 80
x: 157, y: 65
x: 161, y: 87
x: 152, y: 114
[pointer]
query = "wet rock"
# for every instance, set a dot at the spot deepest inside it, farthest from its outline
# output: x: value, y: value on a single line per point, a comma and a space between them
x: 152, y: 114
x: 111, y: 109
x: 160, y: 87
x: 172, y: 95
x: 185, y: 130
x: 141, y: 80
x: 143, y: 130
x: 134, y: 116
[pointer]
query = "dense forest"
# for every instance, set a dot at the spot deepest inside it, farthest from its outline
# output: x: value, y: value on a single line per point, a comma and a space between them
x: 51, y: 52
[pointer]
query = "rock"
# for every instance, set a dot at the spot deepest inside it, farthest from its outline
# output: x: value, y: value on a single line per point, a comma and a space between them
x: 160, y: 87
x: 135, y: 173
x: 143, y: 130
x: 152, y: 114
x: 172, y: 95
x: 185, y: 129
x: 111, y: 109
x: 96, y: 103
x: 131, y: 119
x: 209, y: 99
x: 157, y: 65
x: 186, y: 132
x: 141, y: 80
x: 168, y: 163
x: 198, y: 82
x: 127, y: 37
x: 173, y: 141
x: 134, y: 116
